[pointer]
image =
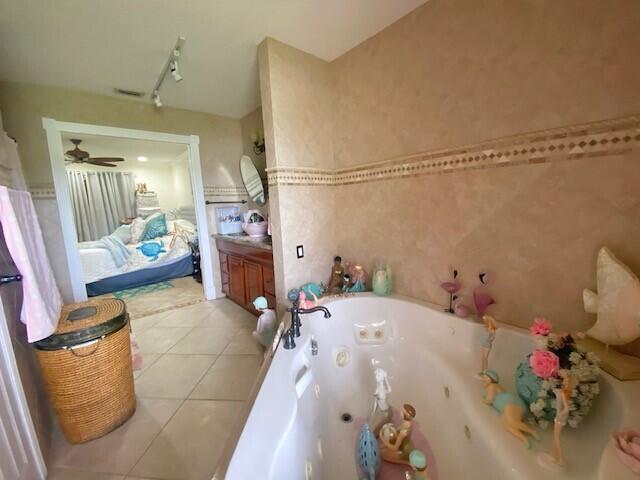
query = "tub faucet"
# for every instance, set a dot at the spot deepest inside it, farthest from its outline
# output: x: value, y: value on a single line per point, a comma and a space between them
x: 294, y: 329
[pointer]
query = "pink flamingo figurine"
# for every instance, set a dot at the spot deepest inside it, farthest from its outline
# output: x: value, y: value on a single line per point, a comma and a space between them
x: 482, y: 300
x: 451, y: 288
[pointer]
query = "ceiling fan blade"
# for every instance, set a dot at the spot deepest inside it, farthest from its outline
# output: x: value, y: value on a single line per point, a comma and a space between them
x: 107, y: 159
x: 100, y: 163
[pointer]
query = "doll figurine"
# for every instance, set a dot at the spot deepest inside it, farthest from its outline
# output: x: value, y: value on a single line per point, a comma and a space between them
x: 381, y: 413
x: 395, y: 442
x: 337, y: 274
x: 358, y: 276
x: 487, y: 343
x: 509, y: 405
x: 555, y: 461
x: 267, y: 322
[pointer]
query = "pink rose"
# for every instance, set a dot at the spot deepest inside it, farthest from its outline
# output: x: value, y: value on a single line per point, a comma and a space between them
x: 544, y: 363
x: 540, y: 326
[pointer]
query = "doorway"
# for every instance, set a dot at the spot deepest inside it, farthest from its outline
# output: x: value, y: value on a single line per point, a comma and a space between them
x: 125, y: 175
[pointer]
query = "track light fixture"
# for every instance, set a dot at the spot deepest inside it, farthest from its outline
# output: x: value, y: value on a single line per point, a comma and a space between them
x: 156, y: 99
x: 174, y: 71
x: 170, y: 65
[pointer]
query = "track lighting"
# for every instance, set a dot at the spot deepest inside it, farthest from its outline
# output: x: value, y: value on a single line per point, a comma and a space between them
x: 156, y: 99
x: 170, y: 65
x: 174, y: 71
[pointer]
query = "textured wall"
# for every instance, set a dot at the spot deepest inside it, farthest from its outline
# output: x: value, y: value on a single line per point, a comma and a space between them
x: 454, y: 72
x: 457, y: 72
x: 296, y: 100
x: 23, y: 107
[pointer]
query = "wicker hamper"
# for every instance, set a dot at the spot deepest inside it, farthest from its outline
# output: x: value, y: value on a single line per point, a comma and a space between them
x: 86, y: 365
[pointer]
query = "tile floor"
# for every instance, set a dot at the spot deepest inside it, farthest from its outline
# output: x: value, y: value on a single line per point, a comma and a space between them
x: 200, y: 362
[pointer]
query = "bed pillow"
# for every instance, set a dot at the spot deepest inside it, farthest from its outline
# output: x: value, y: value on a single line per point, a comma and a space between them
x: 137, y: 229
x: 156, y: 226
x: 123, y: 232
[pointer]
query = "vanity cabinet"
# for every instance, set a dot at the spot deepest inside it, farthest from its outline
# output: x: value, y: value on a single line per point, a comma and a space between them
x: 247, y: 273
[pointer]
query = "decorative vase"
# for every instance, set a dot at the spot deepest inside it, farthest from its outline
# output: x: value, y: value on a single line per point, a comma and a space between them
x: 381, y: 282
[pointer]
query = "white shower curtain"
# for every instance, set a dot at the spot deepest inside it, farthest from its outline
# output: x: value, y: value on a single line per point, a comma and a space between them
x: 100, y: 201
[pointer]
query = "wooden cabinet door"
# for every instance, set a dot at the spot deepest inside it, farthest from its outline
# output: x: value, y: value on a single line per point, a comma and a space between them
x: 236, y: 279
x: 252, y: 282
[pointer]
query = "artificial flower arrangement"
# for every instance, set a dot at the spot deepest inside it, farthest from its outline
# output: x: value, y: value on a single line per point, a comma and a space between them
x: 538, y: 376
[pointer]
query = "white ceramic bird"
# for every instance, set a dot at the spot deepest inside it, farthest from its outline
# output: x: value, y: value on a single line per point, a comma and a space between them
x: 617, y: 302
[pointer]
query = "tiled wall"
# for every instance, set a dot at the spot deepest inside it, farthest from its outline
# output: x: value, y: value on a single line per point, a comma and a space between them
x: 439, y: 161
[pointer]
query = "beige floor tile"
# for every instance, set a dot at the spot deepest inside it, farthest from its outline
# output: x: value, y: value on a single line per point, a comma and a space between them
x: 204, y: 340
x: 190, y: 445
x: 173, y: 376
x: 141, y: 325
x: 190, y: 316
x: 118, y: 451
x: 56, y: 473
x: 148, y: 359
x: 230, y: 378
x: 243, y: 343
x: 159, y: 340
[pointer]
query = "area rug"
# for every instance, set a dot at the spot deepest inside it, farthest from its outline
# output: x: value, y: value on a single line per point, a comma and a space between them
x: 144, y: 290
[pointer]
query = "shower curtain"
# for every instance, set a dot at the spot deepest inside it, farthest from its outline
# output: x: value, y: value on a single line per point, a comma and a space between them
x: 100, y: 201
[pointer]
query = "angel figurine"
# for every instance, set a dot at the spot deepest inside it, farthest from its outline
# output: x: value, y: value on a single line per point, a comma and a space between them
x: 381, y: 412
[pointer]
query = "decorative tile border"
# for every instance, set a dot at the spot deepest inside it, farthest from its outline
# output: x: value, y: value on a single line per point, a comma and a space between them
x: 610, y: 137
x: 233, y: 191
x: 47, y: 191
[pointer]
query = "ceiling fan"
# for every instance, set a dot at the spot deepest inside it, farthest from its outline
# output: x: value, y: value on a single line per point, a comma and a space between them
x: 80, y: 156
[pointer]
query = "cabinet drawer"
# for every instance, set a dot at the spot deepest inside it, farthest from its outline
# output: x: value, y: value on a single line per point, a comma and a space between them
x: 269, y: 281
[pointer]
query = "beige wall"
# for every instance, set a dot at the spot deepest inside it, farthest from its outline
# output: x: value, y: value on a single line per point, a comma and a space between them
x: 296, y: 100
x: 24, y: 106
x: 453, y: 73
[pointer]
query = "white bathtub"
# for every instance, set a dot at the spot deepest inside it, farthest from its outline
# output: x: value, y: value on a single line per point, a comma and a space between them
x: 294, y: 430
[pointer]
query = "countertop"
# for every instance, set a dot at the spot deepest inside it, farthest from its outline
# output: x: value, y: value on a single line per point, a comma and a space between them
x: 263, y: 243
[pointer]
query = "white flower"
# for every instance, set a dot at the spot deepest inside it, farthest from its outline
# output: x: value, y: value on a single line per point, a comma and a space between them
x: 575, y: 357
x: 543, y: 424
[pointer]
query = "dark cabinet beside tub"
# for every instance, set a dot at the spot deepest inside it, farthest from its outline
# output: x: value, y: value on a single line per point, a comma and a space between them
x: 247, y: 273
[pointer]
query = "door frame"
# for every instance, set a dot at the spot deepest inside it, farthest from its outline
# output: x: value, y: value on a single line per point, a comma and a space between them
x: 15, y: 401
x: 54, y: 130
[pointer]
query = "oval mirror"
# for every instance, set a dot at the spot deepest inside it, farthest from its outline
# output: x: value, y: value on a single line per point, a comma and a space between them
x: 252, y: 180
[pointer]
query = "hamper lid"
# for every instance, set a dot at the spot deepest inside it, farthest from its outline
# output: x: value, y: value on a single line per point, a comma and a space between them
x: 86, y: 321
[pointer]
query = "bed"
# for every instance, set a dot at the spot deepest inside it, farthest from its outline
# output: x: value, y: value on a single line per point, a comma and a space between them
x: 156, y: 260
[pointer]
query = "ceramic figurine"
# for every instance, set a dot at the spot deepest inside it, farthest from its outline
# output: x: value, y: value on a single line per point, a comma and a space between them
x: 555, y: 461
x: 368, y: 453
x: 381, y: 281
x: 509, y: 405
x: 627, y: 445
x: 337, y: 274
x: 451, y: 288
x: 482, y: 300
x: 418, y: 463
x: 617, y: 302
x: 381, y: 412
x: 487, y: 343
x: 346, y: 283
x: 395, y: 442
x: 267, y: 322
x: 304, y: 303
x: 358, y: 278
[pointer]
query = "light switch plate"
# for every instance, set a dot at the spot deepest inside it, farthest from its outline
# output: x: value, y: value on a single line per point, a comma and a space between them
x: 299, y: 251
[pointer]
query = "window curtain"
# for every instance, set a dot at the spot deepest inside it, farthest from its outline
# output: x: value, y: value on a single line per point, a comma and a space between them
x: 100, y: 201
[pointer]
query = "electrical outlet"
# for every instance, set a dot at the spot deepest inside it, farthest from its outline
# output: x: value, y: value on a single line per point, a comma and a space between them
x: 299, y: 251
